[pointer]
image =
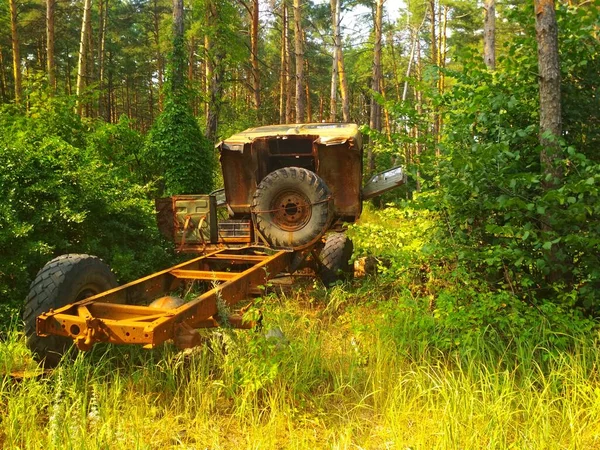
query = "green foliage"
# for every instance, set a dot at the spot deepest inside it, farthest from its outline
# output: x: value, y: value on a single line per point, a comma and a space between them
x: 59, y: 198
x: 177, y: 154
x: 503, y: 219
x: 441, y: 299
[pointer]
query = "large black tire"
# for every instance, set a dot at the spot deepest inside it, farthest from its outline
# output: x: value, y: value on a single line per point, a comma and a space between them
x: 335, y: 259
x: 66, y: 279
x: 292, y: 207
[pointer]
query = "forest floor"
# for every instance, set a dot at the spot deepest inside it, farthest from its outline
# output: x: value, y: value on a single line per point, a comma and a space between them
x: 347, y: 371
x: 370, y: 364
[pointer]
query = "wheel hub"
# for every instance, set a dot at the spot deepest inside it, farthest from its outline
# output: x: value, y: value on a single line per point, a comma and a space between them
x: 290, y: 211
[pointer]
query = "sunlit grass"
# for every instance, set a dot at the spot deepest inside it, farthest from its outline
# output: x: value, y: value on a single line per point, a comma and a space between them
x: 343, y: 377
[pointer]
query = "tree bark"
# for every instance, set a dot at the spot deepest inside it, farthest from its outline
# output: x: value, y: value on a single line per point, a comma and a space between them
x: 375, y: 116
x: 334, y: 67
x: 50, y: 7
x: 341, y: 65
x: 178, y: 60
x: 16, y: 54
x: 546, y: 31
x: 307, y: 88
x: 159, y: 58
x: 288, y: 74
x: 283, y: 64
x: 3, y: 87
x: 102, y: 99
x: 83, y: 50
x: 489, y: 34
x: 254, y: 54
x: 298, y: 35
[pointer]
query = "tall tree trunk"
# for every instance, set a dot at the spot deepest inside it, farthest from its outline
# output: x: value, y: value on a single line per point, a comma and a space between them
x: 433, y: 25
x: 341, y: 66
x: 3, y: 87
x: 254, y: 54
x: 546, y: 32
x: 16, y: 53
x: 288, y: 74
x: 335, y: 65
x: 214, y: 76
x: 299, y: 50
x: 178, y: 60
x: 308, y: 102
x: 103, y: 17
x: 375, y: 116
x: 50, y: 5
x: 83, y: 50
x: 489, y: 34
x: 160, y: 68
x: 283, y: 65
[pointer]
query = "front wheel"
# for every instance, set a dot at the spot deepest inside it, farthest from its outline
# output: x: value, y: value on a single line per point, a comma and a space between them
x: 64, y: 280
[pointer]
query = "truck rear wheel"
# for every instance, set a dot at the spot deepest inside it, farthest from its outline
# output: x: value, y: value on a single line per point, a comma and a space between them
x: 292, y: 207
x: 335, y: 259
x: 66, y: 279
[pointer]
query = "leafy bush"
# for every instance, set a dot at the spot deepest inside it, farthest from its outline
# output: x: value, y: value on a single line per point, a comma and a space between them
x: 177, y: 153
x: 58, y: 198
x: 537, y: 241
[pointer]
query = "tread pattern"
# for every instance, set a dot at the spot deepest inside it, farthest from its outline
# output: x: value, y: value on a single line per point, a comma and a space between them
x: 335, y: 259
x: 45, y: 294
x: 311, y: 185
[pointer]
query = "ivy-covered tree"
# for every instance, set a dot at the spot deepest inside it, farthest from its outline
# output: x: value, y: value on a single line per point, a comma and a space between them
x: 176, y: 151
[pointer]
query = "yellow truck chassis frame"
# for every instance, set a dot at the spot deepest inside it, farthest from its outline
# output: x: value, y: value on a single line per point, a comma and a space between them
x: 118, y: 317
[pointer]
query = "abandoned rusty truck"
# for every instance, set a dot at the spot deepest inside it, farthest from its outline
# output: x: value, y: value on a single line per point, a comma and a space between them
x: 289, y: 191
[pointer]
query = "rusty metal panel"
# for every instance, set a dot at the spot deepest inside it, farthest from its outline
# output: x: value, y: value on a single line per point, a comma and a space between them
x: 239, y: 176
x: 340, y: 166
x: 165, y: 217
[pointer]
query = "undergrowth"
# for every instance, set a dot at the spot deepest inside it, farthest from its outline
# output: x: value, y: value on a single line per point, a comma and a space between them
x: 423, y: 355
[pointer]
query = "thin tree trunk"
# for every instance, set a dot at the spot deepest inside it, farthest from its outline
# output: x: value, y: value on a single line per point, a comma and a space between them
x: 103, y: 17
x: 15, y: 50
x: 489, y: 34
x: 549, y: 82
x: 433, y: 24
x: 375, y: 116
x: 320, y: 107
x: 214, y: 75
x: 394, y: 64
x: 298, y: 35
x: 254, y: 54
x: 341, y: 66
x: 83, y: 49
x: 3, y: 87
x: 308, y: 103
x: 50, y: 6
x: 178, y: 59
x: 159, y: 58
x: 283, y: 64
x: 334, y: 67
x: 288, y: 74
x: 68, y: 86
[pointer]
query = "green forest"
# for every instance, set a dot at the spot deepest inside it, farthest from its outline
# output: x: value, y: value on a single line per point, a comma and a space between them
x: 478, y: 324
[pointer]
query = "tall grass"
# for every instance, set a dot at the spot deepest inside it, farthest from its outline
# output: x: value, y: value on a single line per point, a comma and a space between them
x: 344, y: 376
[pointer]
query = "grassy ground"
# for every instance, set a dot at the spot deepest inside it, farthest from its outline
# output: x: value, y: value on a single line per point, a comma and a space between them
x: 342, y: 377
x: 420, y: 359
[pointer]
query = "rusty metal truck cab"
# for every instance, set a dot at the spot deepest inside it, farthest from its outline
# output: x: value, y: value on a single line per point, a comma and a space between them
x: 333, y: 151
